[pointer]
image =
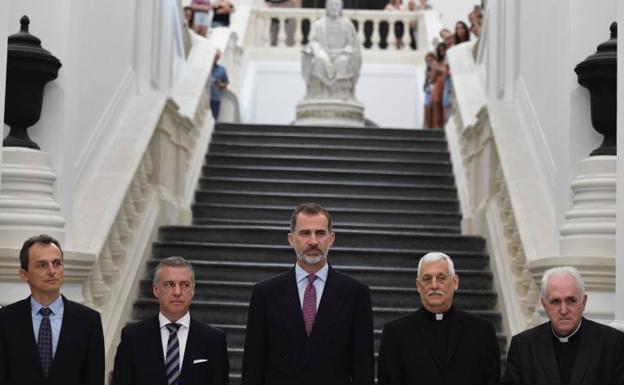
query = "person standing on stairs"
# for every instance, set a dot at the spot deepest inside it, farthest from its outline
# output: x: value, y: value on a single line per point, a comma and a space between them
x: 172, y: 348
x: 47, y: 339
x: 438, y: 344
x: 311, y: 324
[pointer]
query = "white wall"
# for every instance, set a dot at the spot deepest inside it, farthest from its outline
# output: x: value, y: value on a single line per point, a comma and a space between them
x: 552, y: 38
x: 619, y: 279
x: 110, y: 51
x: 451, y: 11
x: 4, y: 34
x: 391, y: 94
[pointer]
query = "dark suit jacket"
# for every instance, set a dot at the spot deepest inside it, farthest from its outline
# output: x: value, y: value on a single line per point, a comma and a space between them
x: 406, y: 352
x: 339, y: 350
x: 79, y: 357
x: 600, y: 359
x: 140, y: 358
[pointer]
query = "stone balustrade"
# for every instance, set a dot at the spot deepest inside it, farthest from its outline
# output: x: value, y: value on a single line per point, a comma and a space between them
x: 376, y: 29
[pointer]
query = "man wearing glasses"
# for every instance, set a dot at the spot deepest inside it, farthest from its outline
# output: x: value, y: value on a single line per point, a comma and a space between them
x: 438, y: 344
x: 172, y: 348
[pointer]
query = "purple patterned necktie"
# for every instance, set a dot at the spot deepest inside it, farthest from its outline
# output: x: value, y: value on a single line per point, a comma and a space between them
x: 44, y: 340
x: 309, y: 304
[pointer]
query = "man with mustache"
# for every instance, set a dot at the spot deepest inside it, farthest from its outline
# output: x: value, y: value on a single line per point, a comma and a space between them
x: 569, y: 349
x: 311, y: 324
x: 438, y: 344
x: 47, y: 339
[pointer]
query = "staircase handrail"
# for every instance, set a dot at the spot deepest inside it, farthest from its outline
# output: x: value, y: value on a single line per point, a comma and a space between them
x: 485, y: 141
x: 147, y: 179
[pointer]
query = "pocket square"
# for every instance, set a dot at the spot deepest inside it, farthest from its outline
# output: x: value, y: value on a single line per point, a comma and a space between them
x: 200, y: 360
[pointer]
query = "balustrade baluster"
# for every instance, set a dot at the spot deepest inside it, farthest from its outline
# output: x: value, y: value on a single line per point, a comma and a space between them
x: 298, y: 35
x: 281, y: 35
x: 375, y: 34
x: 391, y: 39
x: 361, y: 30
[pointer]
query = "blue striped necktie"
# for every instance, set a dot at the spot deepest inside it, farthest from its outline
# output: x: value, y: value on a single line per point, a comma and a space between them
x: 172, y: 362
x: 44, y: 340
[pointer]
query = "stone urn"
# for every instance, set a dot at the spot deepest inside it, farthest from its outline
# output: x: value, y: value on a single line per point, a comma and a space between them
x: 598, y: 73
x: 29, y: 68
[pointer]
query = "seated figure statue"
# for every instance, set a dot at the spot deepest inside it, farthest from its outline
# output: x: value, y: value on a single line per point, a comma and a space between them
x: 331, y: 60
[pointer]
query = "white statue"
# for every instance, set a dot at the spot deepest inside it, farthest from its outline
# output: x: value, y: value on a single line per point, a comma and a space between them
x: 331, y: 60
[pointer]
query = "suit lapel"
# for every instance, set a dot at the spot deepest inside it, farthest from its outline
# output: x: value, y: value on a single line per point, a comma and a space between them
x: 423, y: 329
x: 189, y: 351
x: 153, y: 349
x: 329, y: 308
x: 290, y: 307
x: 585, y: 355
x: 545, y: 354
x: 455, y: 330
x: 25, y: 332
x: 64, y: 346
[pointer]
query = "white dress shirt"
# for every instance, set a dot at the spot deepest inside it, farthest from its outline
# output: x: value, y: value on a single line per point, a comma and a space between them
x: 319, y: 283
x: 185, y: 321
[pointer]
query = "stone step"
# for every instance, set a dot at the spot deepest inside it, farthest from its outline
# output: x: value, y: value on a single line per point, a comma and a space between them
x: 382, y: 296
x: 424, y: 228
x: 236, y: 336
x: 395, y: 217
x: 322, y: 130
x: 370, y: 275
x: 328, y: 174
x: 372, y: 152
x: 413, y: 189
x: 313, y: 161
x: 213, y: 196
x: 333, y: 139
x: 283, y: 253
x: 346, y: 238
x: 216, y: 312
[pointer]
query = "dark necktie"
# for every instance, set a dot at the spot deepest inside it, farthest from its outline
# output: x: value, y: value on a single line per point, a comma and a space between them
x: 172, y: 363
x: 44, y: 340
x: 309, y: 304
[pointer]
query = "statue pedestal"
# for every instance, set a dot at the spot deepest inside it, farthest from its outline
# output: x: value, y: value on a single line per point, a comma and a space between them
x: 27, y: 204
x: 589, y: 228
x: 330, y: 112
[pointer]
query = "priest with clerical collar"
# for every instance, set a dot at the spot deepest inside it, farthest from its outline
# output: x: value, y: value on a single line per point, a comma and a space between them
x: 438, y: 344
x: 568, y: 349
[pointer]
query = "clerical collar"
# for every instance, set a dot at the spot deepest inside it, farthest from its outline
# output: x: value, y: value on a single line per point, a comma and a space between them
x: 439, y: 316
x: 566, y: 339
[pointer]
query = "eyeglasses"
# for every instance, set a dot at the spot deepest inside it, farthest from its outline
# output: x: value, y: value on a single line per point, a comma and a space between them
x: 184, y: 285
x: 428, y: 280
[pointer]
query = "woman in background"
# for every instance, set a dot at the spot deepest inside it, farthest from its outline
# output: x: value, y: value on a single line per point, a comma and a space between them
x: 462, y: 33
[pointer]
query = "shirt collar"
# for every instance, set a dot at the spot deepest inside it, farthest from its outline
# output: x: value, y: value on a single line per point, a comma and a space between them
x: 185, y: 321
x: 302, y: 274
x: 56, y: 306
x: 565, y: 339
x: 440, y: 316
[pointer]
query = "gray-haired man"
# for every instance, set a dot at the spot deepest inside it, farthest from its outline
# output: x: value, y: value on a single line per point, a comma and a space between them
x: 438, y: 344
x: 172, y: 348
x: 568, y: 349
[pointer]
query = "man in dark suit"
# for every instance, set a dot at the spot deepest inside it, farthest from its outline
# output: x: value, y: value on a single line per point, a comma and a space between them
x: 46, y: 338
x: 438, y: 344
x: 569, y: 349
x: 311, y: 324
x: 172, y: 348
